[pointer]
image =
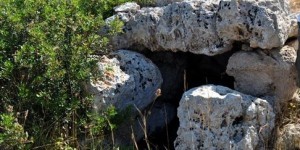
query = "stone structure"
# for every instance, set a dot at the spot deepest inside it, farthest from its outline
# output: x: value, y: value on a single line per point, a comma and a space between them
x: 216, y: 117
x: 205, y: 27
x: 262, y: 63
x: 265, y: 73
x: 128, y: 79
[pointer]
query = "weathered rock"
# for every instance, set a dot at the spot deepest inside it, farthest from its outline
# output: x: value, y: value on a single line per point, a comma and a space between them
x: 294, y: 27
x: 127, y: 7
x: 204, y: 27
x: 128, y: 79
x: 289, y: 137
x: 216, y: 117
x: 165, y: 2
x: 260, y: 73
x: 182, y: 26
x: 261, y: 23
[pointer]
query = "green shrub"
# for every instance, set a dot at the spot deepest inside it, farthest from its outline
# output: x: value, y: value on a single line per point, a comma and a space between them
x: 45, y: 49
x: 145, y: 2
x: 12, y: 135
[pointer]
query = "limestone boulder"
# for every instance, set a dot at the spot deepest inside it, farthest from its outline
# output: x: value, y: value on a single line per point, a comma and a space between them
x: 126, y: 78
x: 216, y: 117
x: 205, y: 27
x: 261, y: 23
x: 294, y: 26
x: 165, y: 2
x: 265, y: 73
x: 127, y: 7
x: 182, y: 26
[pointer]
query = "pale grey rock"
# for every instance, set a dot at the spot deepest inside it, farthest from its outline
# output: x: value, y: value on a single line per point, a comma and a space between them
x: 181, y: 26
x: 294, y: 27
x: 127, y: 7
x: 205, y: 27
x: 165, y: 2
x: 289, y: 137
x: 261, y: 23
x: 128, y: 78
x: 216, y: 117
x: 265, y: 73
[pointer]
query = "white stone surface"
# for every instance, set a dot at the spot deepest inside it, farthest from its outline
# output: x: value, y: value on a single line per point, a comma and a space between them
x: 261, y: 23
x: 127, y: 7
x: 294, y: 26
x: 215, y: 117
x: 205, y: 27
x: 128, y: 78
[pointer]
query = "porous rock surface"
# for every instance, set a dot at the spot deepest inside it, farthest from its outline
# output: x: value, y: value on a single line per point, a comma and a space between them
x: 294, y: 26
x: 127, y: 7
x: 205, y: 26
x: 128, y: 78
x: 265, y: 73
x: 216, y: 117
x: 165, y: 2
x: 261, y: 23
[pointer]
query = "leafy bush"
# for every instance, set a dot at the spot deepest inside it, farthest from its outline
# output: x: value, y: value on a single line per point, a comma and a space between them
x: 45, y: 49
x: 13, y: 135
x: 145, y: 2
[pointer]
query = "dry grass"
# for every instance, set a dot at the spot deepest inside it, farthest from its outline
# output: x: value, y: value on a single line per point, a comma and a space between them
x: 295, y: 5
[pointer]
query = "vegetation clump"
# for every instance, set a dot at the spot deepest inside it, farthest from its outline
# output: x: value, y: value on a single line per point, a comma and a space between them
x: 45, y: 49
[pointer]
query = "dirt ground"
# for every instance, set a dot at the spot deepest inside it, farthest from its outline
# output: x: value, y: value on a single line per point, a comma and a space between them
x: 295, y: 5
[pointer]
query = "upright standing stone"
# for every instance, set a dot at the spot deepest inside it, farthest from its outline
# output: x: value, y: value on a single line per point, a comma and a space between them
x: 216, y: 117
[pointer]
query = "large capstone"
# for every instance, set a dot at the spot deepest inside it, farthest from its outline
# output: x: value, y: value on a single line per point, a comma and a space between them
x: 263, y: 24
x: 263, y: 73
x: 126, y: 79
x: 205, y: 27
x: 216, y: 117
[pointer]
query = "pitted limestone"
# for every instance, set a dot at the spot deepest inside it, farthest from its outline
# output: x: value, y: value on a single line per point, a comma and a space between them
x: 216, y: 117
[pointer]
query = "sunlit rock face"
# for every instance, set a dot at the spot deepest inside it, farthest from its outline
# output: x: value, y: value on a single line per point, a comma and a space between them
x: 127, y: 79
x: 205, y: 27
x: 216, y: 117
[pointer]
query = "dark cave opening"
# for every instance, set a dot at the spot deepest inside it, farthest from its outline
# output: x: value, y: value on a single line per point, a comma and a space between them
x: 202, y: 70
x: 183, y: 71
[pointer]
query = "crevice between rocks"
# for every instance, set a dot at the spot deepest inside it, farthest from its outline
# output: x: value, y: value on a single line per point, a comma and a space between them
x: 181, y: 72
